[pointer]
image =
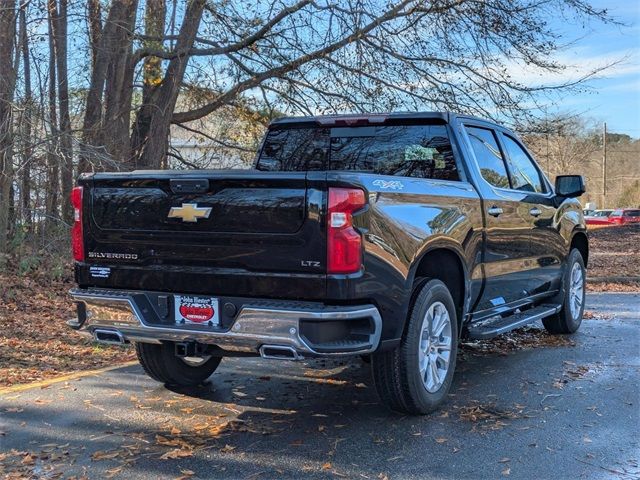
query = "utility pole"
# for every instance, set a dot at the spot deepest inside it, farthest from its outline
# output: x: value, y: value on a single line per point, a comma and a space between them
x: 604, y: 163
x: 546, y: 134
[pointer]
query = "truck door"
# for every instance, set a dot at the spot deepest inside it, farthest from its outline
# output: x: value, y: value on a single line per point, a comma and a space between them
x: 507, y: 259
x: 545, y: 242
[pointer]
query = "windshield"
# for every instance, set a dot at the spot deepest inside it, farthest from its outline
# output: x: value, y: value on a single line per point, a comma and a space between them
x: 603, y: 213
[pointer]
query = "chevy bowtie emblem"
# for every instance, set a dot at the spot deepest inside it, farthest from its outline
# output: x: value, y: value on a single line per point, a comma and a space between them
x: 189, y: 212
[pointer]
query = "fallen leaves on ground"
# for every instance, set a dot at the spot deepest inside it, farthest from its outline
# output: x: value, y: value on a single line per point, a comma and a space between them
x: 591, y: 315
x: 51, y: 462
x: 489, y: 416
x: 176, y: 453
x: 119, y: 449
x: 35, y: 341
x: 186, y: 474
x: 613, y: 257
x: 616, y: 287
x: 613, y: 252
x: 100, y: 455
x: 518, y: 339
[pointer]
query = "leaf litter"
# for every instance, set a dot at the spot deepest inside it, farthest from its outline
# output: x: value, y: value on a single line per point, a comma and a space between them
x: 30, y: 353
x: 519, y: 339
x: 488, y: 416
x: 167, y: 443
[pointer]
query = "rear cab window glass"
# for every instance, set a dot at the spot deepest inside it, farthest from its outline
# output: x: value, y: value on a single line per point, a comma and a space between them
x: 294, y: 149
x: 632, y: 213
x: 422, y: 151
x: 408, y: 150
x: 488, y: 156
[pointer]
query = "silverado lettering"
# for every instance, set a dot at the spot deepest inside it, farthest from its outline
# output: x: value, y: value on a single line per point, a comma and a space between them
x: 123, y: 256
x: 424, y: 228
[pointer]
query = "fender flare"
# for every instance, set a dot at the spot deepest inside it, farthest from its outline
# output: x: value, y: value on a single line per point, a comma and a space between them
x: 580, y: 231
x: 451, y: 247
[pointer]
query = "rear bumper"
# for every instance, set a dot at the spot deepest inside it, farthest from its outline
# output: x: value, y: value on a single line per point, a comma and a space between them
x: 308, y: 329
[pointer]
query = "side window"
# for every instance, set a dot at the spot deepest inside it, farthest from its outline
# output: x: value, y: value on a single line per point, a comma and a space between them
x: 489, y: 158
x: 524, y: 174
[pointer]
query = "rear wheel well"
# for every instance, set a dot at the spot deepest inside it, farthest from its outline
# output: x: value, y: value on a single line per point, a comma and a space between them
x: 580, y: 242
x: 445, y: 266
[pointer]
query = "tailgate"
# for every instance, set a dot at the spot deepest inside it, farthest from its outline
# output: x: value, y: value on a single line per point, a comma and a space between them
x: 235, y: 228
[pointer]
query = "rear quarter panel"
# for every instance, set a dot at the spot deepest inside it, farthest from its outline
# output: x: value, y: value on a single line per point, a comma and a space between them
x: 405, y: 218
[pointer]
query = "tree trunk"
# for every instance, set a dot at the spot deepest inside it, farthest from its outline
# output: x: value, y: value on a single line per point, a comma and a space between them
x: 154, y: 20
x: 95, y: 37
x: 119, y: 86
x: 27, y: 147
x: 7, y: 88
x: 95, y: 28
x: 152, y: 71
x: 150, y: 135
x: 59, y: 23
x: 108, y: 63
x: 53, y: 160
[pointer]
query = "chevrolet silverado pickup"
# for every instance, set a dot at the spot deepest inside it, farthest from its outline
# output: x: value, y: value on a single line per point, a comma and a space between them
x: 388, y: 236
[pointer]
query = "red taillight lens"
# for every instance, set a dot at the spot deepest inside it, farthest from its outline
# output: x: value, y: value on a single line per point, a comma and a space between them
x: 77, y: 242
x: 344, y: 243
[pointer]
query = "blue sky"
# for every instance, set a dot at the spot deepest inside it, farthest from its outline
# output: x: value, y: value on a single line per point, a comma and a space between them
x: 614, y: 96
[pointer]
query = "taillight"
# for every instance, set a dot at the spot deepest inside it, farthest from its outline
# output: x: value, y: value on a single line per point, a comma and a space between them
x: 344, y: 243
x: 77, y: 242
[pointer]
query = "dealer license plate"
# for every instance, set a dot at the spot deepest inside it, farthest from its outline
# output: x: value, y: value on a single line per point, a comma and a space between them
x: 196, y: 310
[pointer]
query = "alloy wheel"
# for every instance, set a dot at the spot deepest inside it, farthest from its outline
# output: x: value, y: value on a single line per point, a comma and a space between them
x: 434, y: 350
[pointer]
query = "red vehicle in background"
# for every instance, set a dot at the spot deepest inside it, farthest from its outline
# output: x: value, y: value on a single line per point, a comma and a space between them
x: 624, y: 216
x: 598, y: 217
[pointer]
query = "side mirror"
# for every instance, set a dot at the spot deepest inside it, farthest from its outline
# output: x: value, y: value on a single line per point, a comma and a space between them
x: 570, y: 185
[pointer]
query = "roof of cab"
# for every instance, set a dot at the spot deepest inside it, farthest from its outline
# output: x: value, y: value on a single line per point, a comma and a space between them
x: 374, y: 118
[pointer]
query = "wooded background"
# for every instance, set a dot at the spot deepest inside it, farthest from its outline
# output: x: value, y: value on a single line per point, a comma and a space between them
x: 126, y: 84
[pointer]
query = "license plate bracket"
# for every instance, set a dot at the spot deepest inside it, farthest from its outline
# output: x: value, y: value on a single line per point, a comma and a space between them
x: 196, y: 310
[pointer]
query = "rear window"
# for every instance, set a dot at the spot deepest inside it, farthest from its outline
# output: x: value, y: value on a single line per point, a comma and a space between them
x: 404, y: 150
x: 632, y: 213
x: 294, y: 149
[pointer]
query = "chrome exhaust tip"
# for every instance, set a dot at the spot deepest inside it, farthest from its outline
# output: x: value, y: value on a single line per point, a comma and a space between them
x: 109, y: 337
x: 279, y: 352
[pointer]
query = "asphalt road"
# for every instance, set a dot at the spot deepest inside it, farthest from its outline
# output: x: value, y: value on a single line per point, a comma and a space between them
x: 524, y: 406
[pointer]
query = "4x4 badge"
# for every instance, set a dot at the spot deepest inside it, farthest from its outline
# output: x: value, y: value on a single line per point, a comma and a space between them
x: 189, y: 212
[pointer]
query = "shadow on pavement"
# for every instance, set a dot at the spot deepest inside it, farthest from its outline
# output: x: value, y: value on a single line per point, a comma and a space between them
x: 509, y: 407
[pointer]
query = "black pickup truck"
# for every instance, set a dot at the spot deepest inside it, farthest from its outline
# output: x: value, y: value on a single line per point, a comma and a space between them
x: 385, y: 236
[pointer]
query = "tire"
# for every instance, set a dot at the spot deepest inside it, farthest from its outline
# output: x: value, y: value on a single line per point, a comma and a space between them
x: 397, y: 375
x: 569, y: 318
x: 161, y: 364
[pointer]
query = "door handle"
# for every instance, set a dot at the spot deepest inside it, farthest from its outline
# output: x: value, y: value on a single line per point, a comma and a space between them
x: 535, y: 211
x: 495, y: 211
